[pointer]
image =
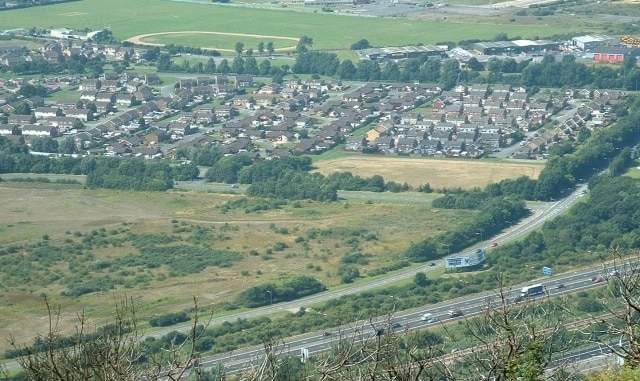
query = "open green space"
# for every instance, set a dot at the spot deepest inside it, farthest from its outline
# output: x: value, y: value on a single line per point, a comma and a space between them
x: 84, y: 247
x: 127, y: 19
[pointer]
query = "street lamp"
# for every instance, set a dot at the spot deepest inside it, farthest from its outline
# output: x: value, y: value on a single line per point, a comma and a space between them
x: 480, y: 234
x: 447, y: 248
x: 394, y: 303
x: 270, y: 296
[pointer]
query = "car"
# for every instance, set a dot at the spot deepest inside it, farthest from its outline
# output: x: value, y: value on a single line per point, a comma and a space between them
x: 614, y: 273
x: 560, y: 285
x: 494, y: 244
x: 432, y: 264
x: 234, y: 186
x: 426, y: 317
x: 432, y: 320
x: 598, y: 279
x: 454, y: 312
x: 396, y: 324
x: 326, y: 333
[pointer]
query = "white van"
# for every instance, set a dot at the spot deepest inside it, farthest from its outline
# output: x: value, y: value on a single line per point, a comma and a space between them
x: 426, y: 316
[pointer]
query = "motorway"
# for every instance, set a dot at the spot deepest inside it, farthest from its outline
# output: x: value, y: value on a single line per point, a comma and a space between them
x: 409, y: 320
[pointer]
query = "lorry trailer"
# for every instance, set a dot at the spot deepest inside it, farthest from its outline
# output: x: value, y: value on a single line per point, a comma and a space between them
x: 533, y: 290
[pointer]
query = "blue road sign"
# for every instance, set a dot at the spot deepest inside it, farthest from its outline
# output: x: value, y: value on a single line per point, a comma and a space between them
x: 546, y: 270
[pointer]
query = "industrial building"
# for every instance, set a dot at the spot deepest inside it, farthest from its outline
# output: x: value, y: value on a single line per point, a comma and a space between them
x: 403, y: 52
x: 591, y: 41
x: 497, y: 48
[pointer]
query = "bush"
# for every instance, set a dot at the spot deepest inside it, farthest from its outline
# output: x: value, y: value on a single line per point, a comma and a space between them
x: 169, y: 319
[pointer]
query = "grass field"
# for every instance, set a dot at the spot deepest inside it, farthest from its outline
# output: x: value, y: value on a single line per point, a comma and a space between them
x: 465, y: 174
x: 332, y: 32
x: 66, y: 214
x: 63, y: 212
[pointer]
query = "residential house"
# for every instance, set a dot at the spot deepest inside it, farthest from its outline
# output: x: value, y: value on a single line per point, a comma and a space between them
x: 355, y: 143
x: 151, y: 79
x: 152, y: 152
x: 144, y: 93
x: 308, y: 146
x: 35, y: 101
x: 9, y: 129
x: 225, y: 112
x: 243, y: 81
x: 64, y: 123
x: 88, y: 96
x: 37, y: 130
x: 406, y: 145
x: 383, y: 128
x: 46, y: 112
x: 385, y: 144
x: 103, y: 96
x: 81, y: 114
x: 125, y: 100
x: 90, y: 85
x: 21, y: 119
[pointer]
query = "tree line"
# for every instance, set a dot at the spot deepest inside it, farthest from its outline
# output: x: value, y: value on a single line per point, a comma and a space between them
x: 546, y: 73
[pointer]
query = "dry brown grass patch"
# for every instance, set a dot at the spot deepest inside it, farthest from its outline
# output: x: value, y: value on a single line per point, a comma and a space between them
x: 463, y: 173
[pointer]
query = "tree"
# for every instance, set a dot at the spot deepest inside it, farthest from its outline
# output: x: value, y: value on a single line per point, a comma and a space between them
x: 621, y: 301
x: 261, y: 47
x: 67, y: 146
x: 223, y: 67
x: 22, y: 108
x: 449, y: 73
x: 251, y: 66
x: 346, y: 70
x: 111, y: 351
x: 265, y: 67
x: 239, y: 47
x: 270, y: 48
x: 303, y: 44
x: 210, y: 66
x: 474, y: 64
x: 44, y: 144
x: 515, y: 340
x: 238, y: 65
x: 420, y: 279
x: 360, y: 44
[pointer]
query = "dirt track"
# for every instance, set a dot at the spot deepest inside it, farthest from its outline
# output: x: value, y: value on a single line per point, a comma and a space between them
x: 139, y: 39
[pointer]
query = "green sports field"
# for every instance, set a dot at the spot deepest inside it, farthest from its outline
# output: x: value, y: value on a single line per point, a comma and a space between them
x: 126, y: 19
